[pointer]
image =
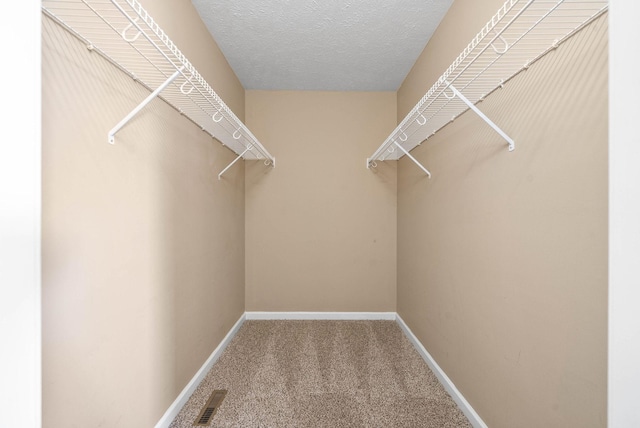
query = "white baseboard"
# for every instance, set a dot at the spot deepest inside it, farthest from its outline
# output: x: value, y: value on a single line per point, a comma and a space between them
x: 321, y: 316
x: 182, y: 398
x: 462, y: 403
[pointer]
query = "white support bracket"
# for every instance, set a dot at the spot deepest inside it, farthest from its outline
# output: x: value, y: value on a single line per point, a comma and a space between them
x: 140, y: 106
x: 412, y: 158
x: 233, y: 162
x: 371, y: 163
x: 482, y: 115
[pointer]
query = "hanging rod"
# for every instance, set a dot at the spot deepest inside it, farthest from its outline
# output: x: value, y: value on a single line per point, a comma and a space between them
x: 520, y: 33
x: 125, y: 34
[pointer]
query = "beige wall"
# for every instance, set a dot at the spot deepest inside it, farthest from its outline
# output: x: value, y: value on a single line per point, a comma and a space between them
x: 502, y: 257
x: 320, y: 227
x: 142, y: 246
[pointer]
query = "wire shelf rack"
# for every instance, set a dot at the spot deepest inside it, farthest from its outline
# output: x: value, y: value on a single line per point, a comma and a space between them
x: 126, y: 35
x: 520, y: 33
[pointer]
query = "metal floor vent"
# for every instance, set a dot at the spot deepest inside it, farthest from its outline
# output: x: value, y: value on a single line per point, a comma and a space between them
x: 209, y: 409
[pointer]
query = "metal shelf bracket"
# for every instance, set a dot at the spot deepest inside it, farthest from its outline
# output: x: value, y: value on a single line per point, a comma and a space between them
x: 402, y: 149
x: 248, y: 149
x: 371, y: 163
x: 482, y: 115
x: 140, y: 106
x: 267, y: 162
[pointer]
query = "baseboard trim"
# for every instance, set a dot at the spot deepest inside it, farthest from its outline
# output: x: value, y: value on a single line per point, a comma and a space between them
x: 462, y: 403
x: 321, y: 316
x: 182, y: 398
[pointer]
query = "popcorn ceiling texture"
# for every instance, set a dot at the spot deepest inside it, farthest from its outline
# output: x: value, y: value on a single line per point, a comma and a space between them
x: 354, y: 45
x: 323, y: 374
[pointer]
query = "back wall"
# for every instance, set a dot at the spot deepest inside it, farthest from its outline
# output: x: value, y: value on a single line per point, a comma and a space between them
x: 320, y: 227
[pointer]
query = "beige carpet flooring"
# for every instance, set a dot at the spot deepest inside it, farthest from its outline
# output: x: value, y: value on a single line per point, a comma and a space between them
x: 323, y: 374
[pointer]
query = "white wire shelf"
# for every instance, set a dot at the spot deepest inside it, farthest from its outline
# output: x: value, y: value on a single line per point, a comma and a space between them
x: 124, y: 33
x: 520, y: 33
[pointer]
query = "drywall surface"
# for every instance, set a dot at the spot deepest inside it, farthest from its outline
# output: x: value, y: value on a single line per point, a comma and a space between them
x: 320, y: 227
x: 502, y: 256
x: 142, y: 246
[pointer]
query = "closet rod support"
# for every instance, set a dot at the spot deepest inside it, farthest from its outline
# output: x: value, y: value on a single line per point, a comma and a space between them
x: 233, y: 162
x: 140, y: 106
x: 483, y: 116
x: 412, y: 158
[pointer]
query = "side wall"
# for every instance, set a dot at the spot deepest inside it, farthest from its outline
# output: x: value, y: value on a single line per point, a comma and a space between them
x: 502, y: 257
x: 142, y: 246
x: 320, y: 227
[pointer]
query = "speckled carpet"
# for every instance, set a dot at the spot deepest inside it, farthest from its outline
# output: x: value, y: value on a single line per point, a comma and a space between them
x: 323, y: 374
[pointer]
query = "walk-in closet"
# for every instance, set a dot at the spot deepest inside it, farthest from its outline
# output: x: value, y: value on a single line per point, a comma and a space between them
x: 327, y: 214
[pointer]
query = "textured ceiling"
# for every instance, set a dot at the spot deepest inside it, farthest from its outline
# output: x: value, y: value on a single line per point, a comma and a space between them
x: 332, y: 45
